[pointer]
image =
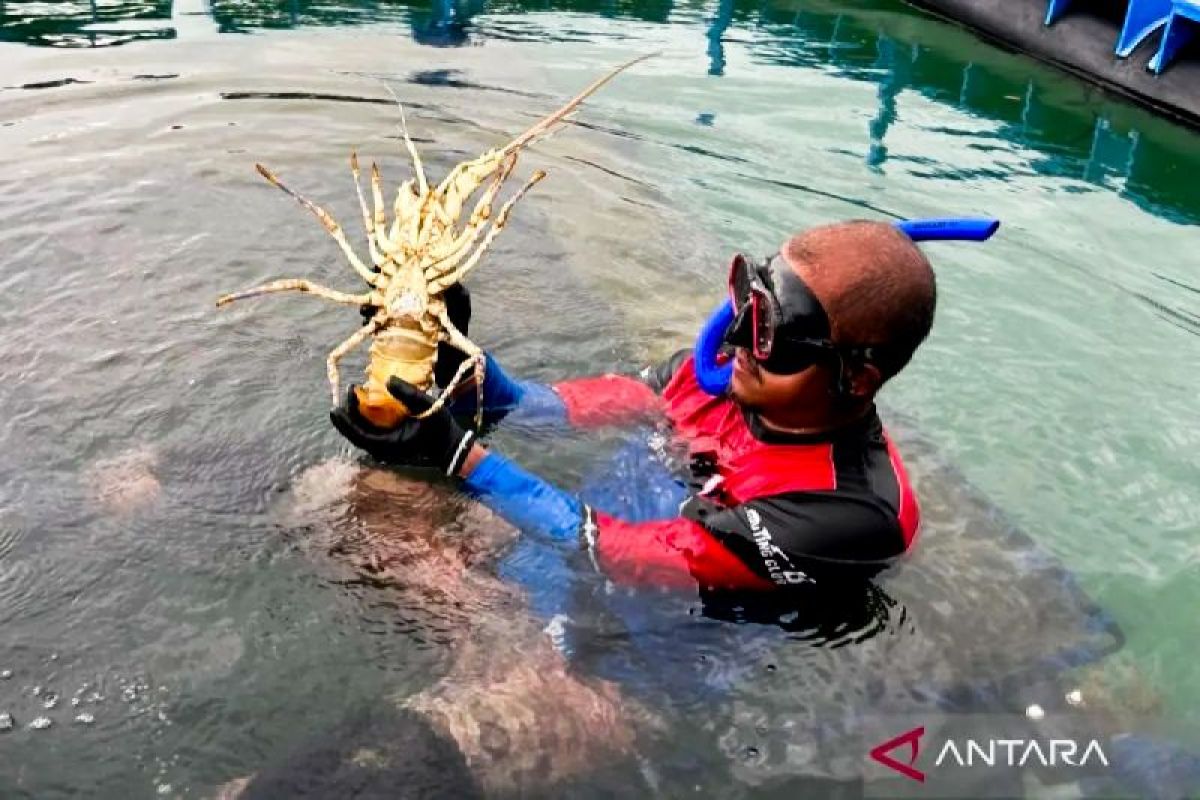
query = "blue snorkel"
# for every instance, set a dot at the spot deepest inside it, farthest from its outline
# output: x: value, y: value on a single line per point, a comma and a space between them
x: 714, y: 378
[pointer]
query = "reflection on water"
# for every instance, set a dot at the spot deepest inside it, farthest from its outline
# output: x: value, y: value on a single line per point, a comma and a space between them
x: 1072, y: 140
x: 1144, y: 159
x: 93, y: 24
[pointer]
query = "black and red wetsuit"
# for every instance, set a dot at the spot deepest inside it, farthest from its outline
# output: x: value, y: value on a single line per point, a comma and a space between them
x: 766, y: 510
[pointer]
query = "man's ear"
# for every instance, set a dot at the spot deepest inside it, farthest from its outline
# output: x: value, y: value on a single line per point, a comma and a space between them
x: 862, y: 380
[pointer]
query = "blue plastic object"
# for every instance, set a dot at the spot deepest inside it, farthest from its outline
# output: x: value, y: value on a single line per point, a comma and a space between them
x: 1181, y: 26
x: 1142, y: 18
x: 952, y: 229
x: 1055, y: 9
x: 714, y: 376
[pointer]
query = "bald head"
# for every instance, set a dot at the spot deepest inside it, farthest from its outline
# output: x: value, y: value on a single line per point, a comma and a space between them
x: 876, y: 286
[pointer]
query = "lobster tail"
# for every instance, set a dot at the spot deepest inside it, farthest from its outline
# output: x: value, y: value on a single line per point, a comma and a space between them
x: 407, y: 353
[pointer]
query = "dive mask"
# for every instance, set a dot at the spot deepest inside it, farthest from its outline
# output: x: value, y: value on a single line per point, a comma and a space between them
x: 776, y: 316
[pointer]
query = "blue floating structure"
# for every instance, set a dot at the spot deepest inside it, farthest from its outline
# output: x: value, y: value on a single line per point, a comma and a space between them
x: 1082, y: 36
x: 1142, y: 19
x: 1180, y: 27
x: 1055, y: 9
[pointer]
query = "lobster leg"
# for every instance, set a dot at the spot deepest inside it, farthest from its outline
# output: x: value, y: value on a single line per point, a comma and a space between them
x: 442, y: 283
x: 476, y: 361
x: 381, y: 235
x: 378, y: 259
x: 301, y: 285
x: 456, y: 339
x: 330, y: 224
x: 339, y: 352
x: 475, y: 225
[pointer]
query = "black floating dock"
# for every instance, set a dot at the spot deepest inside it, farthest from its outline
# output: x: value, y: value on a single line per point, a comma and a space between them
x: 1082, y: 42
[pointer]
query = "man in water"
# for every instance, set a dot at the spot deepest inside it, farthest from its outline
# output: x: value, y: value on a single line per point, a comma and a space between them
x: 792, y: 479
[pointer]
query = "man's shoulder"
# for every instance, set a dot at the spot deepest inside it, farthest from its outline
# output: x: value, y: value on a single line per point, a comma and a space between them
x: 804, y: 533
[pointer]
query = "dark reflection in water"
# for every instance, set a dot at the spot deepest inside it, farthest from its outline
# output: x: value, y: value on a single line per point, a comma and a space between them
x: 100, y: 23
x: 49, y: 84
x: 446, y: 24
x: 1119, y: 145
x: 329, y: 98
x: 853, y: 612
x: 1111, y: 145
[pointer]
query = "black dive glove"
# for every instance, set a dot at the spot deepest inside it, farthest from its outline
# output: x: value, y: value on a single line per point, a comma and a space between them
x: 436, y: 441
x: 458, y: 309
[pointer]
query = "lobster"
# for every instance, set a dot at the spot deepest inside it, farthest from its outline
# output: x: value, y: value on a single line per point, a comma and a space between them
x: 416, y: 258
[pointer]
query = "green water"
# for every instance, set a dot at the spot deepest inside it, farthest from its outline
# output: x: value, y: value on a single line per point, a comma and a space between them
x: 1060, y: 379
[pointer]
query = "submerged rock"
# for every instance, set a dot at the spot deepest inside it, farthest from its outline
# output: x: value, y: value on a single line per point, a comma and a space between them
x: 125, y: 483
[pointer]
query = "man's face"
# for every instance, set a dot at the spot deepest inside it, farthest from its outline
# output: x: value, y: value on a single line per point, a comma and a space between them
x: 764, y: 392
x: 844, y: 268
x: 754, y: 386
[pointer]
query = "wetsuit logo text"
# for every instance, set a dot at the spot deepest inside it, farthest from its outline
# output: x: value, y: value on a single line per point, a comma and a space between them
x: 773, y: 558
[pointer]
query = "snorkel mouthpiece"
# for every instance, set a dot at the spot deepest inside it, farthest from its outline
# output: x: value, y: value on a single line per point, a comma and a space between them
x: 714, y: 376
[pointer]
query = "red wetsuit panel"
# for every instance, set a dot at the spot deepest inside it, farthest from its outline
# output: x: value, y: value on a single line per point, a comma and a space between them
x: 676, y: 553
x: 606, y: 400
x: 910, y: 511
x: 778, y: 506
x: 749, y: 467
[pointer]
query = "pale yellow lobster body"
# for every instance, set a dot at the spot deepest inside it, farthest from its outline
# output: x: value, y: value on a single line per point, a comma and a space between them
x: 422, y: 252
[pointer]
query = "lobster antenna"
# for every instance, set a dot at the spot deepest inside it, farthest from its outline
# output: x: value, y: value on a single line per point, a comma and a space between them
x: 418, y: 167
x: 543, y: 127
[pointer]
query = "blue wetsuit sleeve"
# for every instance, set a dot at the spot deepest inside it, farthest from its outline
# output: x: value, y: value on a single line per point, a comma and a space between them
x: 677, y: 551
x: 599, y: 400
x: 525, y: 500
x: 525, y: 401
x: 536, y: 507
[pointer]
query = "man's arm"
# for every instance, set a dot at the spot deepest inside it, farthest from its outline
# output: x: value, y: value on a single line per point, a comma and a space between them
x: 594, y: 401
x: 762, y: 544
x: 756, y: 545
x: 674, y: 553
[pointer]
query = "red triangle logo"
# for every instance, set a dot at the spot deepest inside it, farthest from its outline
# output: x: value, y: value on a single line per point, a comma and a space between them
x: 913, y: 740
